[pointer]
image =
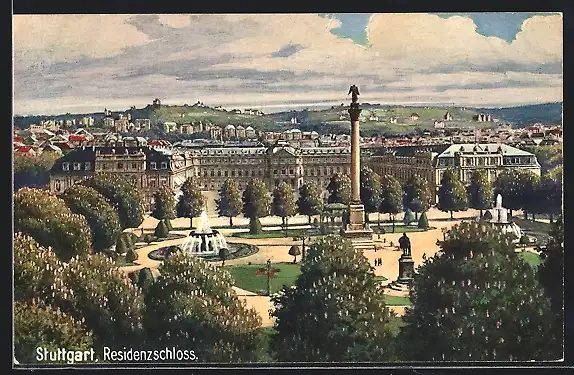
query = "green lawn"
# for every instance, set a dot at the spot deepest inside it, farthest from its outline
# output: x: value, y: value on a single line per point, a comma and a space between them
x: 380, y: 278
x: 531, y: 258
x: 276, y: 233
x: 245, y: 277
x: 397, y: 301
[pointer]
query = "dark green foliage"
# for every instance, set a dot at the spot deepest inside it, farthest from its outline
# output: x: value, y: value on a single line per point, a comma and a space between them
x: 283, y: 204
x: 256, y: 203
x: 476, y: 300
x: 229, y: 203
x: 168, y: 224
x: 507, y: 184
x: 47, y: 327
x: 131, y: 256
x: 339, y: 189
x: 101, y: 217
x: 121, y: 245
x: 192, y: 303
x: 144, y: 278
x: 255, y: 226
x: 423, y: 221
x: 163, y: 204
x: 370, y: 191
x: 480, y: 193
x: 294, y: 251
x: 50, y: 222
x: 309, y: 202
x: 409, y: 217
x: 391, y: 196
x: 191, y: 202
x: 121, y: 195
x: 336, y: 311
x: 418, y: 195
x: 223, y: 255
x: 452, y: 195
x: 161, y: 230
x: 32, y: 171
x: 547, y: 197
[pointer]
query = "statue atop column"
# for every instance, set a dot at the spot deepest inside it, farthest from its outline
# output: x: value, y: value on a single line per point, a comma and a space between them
x: 354, y: 90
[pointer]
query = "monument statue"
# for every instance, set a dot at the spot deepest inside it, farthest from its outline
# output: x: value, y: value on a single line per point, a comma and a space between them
x: 355, y: 97
x: 405, y: 245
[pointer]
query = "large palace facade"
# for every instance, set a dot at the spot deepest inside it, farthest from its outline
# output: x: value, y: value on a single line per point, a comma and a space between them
x: 148, y: 168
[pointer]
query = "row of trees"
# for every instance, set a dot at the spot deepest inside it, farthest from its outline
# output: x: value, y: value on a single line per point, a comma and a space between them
x: 87, y: 217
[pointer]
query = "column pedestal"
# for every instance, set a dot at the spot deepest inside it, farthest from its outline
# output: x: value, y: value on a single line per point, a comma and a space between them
x: 357, y: 230
x: 406, y: 273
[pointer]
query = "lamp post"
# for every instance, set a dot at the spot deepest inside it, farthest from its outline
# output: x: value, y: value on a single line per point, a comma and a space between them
x: 268, y: 277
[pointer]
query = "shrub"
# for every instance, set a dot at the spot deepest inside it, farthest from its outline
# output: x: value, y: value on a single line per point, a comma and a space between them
x: 423, y: 221
x: 121, y: 246
x: 161, y: 230
x: 131, y: 256
x: 168, y: 224
x: 409, y: 217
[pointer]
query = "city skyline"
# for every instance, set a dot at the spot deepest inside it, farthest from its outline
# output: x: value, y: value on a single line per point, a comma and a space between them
x: 273, y: 62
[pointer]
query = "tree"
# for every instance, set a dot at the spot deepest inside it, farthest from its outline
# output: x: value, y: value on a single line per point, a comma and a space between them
x: 168, y: 224
x: 101, y: 217
x: 256, y: 204
x: 161, y: 230
x: 507, y: 185
x: 527, y: 182
x: 192, y: 302
x: 551, y: 276
x: 122, y: 245
x: 92, y: 289
x: 418, y: 196
x: 339, y: 189
x: 294, y: 251
x: 309, y: 202
x: 229, y: 203
x: 423, y: 221
x: 121, y: 195
x: 480, y: 193
x: 39, y: 326
x: 50, y: 222
x: 452, y: 195
x: 191, y: 202
x: 409, y: 217
x: 32, y: 171
x: 34, y: 268
x: 131, y: 256
x: 283, y: 204
x: 223, y: 255
x: 476, y: 300
x: 547, y: 197
x: 391, y: 197
x: 335, y: 312
x: 370, y: 191
x: 144, y: 278
x: 163, y: 204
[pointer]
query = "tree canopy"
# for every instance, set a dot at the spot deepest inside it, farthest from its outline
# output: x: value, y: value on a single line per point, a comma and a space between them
x: 309, y: 202
x: 163, y: 204
x: 370, y: 190
x: 283, y: 204
x: 229, y: 203
x: 418, y: 195
x: 480, y: 192
x: 191, y: 202
x: 391, y: 196
x: 452, y: 195
x: 339, y: 189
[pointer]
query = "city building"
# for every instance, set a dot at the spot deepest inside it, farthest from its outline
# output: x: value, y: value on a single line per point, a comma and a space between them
x: 414, y: 117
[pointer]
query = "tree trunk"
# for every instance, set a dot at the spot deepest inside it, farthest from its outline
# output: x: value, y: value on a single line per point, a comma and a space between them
x: 451, y: 215
x: 416, y: 216
x: 481, y: 213
x: 393, y: 224
x: 533, y: 217
x: 295, y: 259
x: 525, y: 215
x: 510, y: 214
x: 231, y: 221
x: 222, y: 262
x: 551, y: 218
x: 191, y: 222
x: 309, y: 219
x: 379, y: 220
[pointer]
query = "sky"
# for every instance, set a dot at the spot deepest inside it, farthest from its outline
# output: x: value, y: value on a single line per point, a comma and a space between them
x: 273, y: 62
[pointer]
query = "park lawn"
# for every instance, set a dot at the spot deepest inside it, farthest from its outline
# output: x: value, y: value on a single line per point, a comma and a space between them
x: 245, y: 277
x: 380, y: 278
x: 531, y: 258
x: 276, y: 233
x: 397, y: 300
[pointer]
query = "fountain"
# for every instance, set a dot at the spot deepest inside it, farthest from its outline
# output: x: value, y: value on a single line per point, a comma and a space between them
x: 498, y: 216
x: 204, y: 241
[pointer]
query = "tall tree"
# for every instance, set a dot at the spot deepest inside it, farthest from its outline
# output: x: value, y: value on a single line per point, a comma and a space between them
x: 163, y: 204
x: 229, y: 203
x: 309, y: 202
x: 191, y: 202
x: 101, y: 217
x: 551, y: 276
x: 339, y: 189
x: 336, y: 310
x: 548, y: 197
x: 50, y: 222
x: 507, y: 185
x: 475, y: 300
x: 256, y: 204
x: 122, y: 196
x: 283, y: 204
x: 418, y: 195
x: 32, y: 171
x: 451, y: 193
x: 192, y: 302
x: 370, y: 191
x: 480, y: 193
x: 391, y: 197
x: 527, y: 183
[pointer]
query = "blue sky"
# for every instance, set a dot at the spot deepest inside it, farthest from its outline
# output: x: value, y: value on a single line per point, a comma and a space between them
x: 274, y: 62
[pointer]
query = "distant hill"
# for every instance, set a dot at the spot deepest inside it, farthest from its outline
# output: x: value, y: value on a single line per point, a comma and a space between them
x: 549, y: 113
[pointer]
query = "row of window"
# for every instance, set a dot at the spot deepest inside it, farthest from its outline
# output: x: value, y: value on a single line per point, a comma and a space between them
x: 120, y: 165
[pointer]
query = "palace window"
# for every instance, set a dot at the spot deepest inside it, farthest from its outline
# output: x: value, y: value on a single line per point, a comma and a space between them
x: 120, y: 165
x: 240, y: 173
x: 65, y: 166
x: 164, y: 165
x: 233, y: 173
x: 212, y: 173
x: 252, y: 173
x: 153, y: 165
x: 225, y: 173
x: 291, y: 171
x: 275, y: 172
x: 163, y: 181
x: 260, y: 172
x: 338, y: 169
x: 77, y: 166
x: 88, y: 166
x: 58, y: 185
x: 134, y: 165
x: 218, y: 173
x: 283, y: 171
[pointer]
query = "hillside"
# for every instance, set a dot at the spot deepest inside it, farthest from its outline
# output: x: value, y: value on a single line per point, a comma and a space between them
x: 549, y: 113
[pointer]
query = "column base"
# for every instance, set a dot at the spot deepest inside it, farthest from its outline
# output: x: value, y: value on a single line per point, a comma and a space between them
x: 357, y: 230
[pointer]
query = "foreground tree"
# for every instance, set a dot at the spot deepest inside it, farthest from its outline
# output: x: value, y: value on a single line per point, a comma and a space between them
x: 229, y: 203
x: 418, y: 196
x: 256, y: 204
x: 476, y: 300
x: 121, y: 195
x: 191, y: 202
x: 335, y: 312
x: 50, y: 222
x: 192, y: 303
x: 283, y: 204
x: 370, y: 191
x: 101, y: 217
x: 163, y: 204
x: 94, y: 290
x: 452, y: 195
x: 40, y: 326
x: 32, y: 171
x: 480, y: 193
x: 391, y: 197
x: 339, y: 189
x: 309, y: 202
